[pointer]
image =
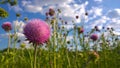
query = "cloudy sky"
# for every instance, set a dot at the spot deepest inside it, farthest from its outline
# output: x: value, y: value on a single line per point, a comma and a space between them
x: 100, y: 13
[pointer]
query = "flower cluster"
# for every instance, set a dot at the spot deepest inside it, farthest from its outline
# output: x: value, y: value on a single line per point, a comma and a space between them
x: 51, y: 12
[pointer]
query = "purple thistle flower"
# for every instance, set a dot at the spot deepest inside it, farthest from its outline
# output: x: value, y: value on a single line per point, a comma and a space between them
x: 37, y: 31
x: 7, y: 26
x: 94, y: 37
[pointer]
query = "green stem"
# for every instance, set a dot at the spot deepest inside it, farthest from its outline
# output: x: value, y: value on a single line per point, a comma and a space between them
x: 15, y: 41
x: 29, y: 52
x: 35, y: 53
x: 68, y: 59
x: 54, y: 44
x: 8, y: 42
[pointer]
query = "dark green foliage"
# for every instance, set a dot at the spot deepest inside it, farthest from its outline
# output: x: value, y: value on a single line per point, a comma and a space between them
x: 3, y: 13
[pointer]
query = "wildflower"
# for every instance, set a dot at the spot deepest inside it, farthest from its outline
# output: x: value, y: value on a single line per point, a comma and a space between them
x: 94, y: 37
x: 59, y: 10
x: 52, y: 22
x: 51, y: 12
x: 18, y: 14
x: 80, y: 30
x: 108, y: 28
x: 7, y: 26
x: 25, y: 19
x: 86, y: 14
x: 68, y: 42
x: 66, y: 22
x: 18, y: 25
x: 22, y: 45
x: 77, y: 17
x: 96, y: 28
x: 112, y: 29
x: 37, y: 31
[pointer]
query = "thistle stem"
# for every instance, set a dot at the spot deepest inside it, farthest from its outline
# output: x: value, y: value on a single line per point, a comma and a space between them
x: 8, y: 42
x: 54, y: 44
x: 35, y: 53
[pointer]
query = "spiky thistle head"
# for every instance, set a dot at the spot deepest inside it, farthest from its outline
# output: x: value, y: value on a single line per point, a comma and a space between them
x: 7, y: 26
x: 37, y: 31
x: 94, y: 37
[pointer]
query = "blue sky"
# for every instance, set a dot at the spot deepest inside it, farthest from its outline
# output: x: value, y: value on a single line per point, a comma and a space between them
x: 101, y: 13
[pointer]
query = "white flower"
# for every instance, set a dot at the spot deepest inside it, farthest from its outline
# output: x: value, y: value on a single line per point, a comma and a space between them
x: 18, y: 25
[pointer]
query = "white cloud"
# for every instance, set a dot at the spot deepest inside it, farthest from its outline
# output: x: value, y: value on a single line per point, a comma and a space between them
x: 16, y: 8
x: 69, y: 38
x: 43, y: 3
x: 34, y: 9
x: 111, y: 18
x: 24, y: 3
x: 19, y: 35
x: 69, y: 11
x: 98, y: 1
x: 4, y: 35
x: 114, y: 19
x: 113, y: 13
x: 116, y: 33
x: 96, y: 11
x: 46, y: 2
x: 118, y: 10
x: 98, y: 22
x: 67, y: 26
